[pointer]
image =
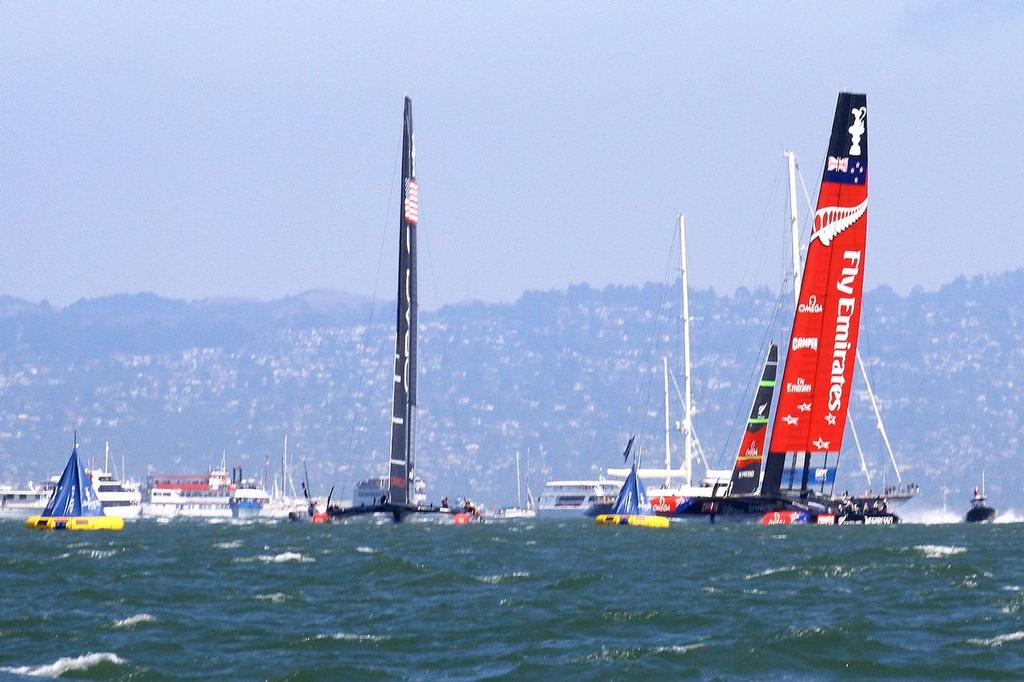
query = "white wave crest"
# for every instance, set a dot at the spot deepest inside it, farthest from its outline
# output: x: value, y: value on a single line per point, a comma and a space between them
x: 1009, y: 516
x: 930, y: 517
x: 998, y: 640
x: 939, y: 551
x: 365, y: 550
x: 346, y: 637
x: 275, y: 597
x: 131, y: 621
x: 769, y: 571
x: 234, y: 544
x: 66, y: 664
x: 502, y: 578
x: 285, y: 556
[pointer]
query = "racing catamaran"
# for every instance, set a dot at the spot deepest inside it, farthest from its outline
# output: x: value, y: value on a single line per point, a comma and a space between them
x: 811, y: 410
x: 398, y: 500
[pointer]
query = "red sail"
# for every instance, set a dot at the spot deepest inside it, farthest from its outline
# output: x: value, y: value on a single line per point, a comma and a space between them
x: 815, y: 390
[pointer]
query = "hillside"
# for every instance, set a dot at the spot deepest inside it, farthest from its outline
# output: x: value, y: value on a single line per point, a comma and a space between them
x: 564, y: 375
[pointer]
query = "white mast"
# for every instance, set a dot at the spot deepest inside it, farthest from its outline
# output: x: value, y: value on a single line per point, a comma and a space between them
x: 878, y: 417
x: 106, y: 456
x: 863, y: 462
x: 794, y: 226
x: 519, y: 491
x: 688, y: 418
x: 668, y: 430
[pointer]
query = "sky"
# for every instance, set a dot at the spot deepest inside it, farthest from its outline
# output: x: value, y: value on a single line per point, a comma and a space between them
x: 248, y: 149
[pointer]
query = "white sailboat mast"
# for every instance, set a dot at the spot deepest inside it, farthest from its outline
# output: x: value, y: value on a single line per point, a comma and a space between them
x: 794, y: 225
x: 688, y: 417
x: 668, y: 430
x: 519, y: 490
x: 878, y: 417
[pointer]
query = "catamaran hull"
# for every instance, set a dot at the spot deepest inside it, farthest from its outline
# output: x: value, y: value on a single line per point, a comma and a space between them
x: 769, y: 510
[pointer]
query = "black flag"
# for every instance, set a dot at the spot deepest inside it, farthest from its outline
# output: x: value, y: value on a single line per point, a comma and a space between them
x: 629, y: 446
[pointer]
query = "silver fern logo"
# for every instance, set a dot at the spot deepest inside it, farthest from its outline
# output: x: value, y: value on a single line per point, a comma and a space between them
x: 832, y: 220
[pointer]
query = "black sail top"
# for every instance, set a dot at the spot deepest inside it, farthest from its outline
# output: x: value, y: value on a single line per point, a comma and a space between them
x: 404, y: 393
x: 747, y: 471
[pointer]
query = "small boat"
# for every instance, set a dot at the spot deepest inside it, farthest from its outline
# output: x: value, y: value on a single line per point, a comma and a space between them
x: 632, y: 507
x: 119, y: 497
x: 74, y: 504
x: 519, y: 511
x: 979, y: 511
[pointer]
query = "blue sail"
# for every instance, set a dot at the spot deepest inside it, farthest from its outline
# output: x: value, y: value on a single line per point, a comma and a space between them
x: 74, y: 495
x: 632, y: 497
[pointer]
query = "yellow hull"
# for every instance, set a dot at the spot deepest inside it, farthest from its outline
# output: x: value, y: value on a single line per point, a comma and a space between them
x: 75, y: 522
x: 632, y: 520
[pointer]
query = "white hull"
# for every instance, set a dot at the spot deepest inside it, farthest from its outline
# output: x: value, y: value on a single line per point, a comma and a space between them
x: 21, y: 513
x: 187, y: 511
x: 126, y: 512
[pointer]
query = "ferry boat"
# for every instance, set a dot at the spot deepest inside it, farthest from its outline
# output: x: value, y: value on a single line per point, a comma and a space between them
x: 577, y: 497
x: 21, y: 503
x: 119, y: 498
x: 189, y: 495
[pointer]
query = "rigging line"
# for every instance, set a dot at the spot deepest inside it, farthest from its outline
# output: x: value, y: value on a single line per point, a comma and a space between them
x: 432, y: 283
x: 373, y: 301
x: 732, y: 441
x: 760, y: 233
x: 642, y: 390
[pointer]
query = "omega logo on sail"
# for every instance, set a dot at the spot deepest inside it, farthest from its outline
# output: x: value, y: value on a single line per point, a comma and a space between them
x: 812, y: 305
x: 844, y: 314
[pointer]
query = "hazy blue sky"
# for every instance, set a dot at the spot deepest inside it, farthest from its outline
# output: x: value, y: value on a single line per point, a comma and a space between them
x: 219, y: 149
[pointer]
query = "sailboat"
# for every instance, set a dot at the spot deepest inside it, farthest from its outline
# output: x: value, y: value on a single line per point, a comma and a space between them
x: 519, y: 511
x: 632, y: 507
x: 399, y: 499
x: 284, y: 501
x: 74, y: 504
x: 810, y: 414
x: 677, y: 486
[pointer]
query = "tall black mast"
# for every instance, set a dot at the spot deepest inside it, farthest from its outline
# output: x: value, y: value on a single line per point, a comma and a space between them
x: 403, y: 411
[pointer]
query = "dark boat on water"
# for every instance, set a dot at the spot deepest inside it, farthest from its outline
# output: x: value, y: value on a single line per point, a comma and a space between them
x: 979, y: 511
x: 398, y: 500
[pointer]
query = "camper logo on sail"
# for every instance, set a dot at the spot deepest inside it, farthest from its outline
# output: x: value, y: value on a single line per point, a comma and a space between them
x: 857, y: 129
x: 800, y: 386
x: 812, y: 305
x: 805, y: 342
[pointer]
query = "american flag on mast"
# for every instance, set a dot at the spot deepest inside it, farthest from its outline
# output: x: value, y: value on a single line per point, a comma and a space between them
x: 412, y: 201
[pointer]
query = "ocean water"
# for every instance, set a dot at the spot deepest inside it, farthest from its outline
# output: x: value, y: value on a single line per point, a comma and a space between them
x: 527, y: 599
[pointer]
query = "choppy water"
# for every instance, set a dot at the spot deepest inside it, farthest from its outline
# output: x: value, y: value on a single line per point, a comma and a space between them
x: 525, y: 599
